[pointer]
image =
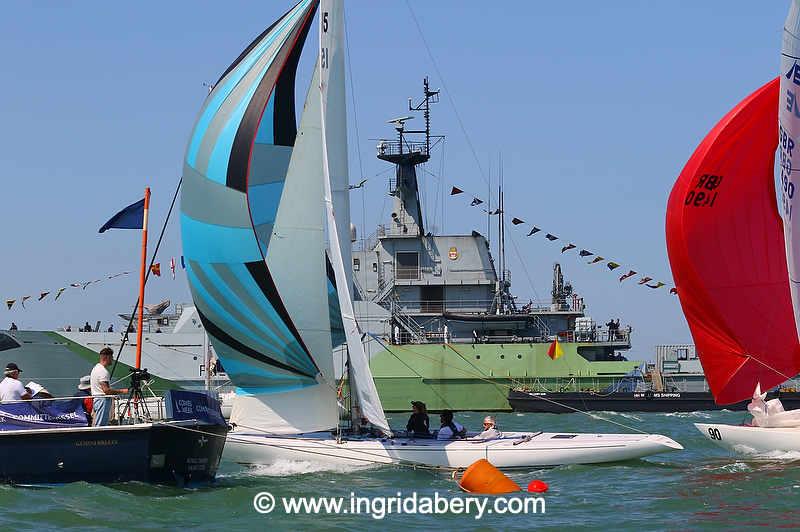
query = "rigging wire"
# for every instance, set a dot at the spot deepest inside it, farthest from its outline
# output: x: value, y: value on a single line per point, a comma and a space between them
x: 449, y: 96
x: 147, y: 275
x: 504, y: 387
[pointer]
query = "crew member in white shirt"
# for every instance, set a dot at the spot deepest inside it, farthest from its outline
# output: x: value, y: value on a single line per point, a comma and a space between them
x: 490, y: 431
x: 10, y: 387
x: 99, y: 379
x: 450, y: 430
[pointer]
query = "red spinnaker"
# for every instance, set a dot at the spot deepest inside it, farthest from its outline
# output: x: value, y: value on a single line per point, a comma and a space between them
x: 727, y: 253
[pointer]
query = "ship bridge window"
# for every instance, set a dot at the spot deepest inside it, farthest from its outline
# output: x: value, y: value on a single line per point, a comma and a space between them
x: 356, y: 265
x: 407, y: 265
x: 596, y: 353
x: 6, y: 342
x: 683, y: 353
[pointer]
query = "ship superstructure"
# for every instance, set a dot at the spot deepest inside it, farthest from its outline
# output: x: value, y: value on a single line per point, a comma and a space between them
x: 445, y: 326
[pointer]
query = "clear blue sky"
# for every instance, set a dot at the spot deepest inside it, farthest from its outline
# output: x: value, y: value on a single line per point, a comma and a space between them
x: 594, y: 106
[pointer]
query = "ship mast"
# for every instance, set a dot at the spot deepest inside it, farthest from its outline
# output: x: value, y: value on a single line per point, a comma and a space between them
x: 406, y: 154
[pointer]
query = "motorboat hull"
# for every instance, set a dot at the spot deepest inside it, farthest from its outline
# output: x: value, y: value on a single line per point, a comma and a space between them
x: 515, y: 450
x: 171, y: 452
x: 752, y: 440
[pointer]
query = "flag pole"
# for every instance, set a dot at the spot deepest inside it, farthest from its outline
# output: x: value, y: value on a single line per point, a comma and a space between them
x: 142, y: 276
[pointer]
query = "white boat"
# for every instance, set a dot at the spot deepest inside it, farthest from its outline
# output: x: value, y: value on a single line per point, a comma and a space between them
x: 258, y: 199
x: 515, y: 450
x: 735, y: 255
x: 752, y: 440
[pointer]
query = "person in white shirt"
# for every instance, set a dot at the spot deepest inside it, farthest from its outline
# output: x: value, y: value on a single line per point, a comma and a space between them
x: 10, y: 387
x: 450, y: 430
x: 99, y: 380
x: 490, y: 431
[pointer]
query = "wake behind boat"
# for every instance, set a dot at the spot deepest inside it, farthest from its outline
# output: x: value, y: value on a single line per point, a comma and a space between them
x: 258, y: 196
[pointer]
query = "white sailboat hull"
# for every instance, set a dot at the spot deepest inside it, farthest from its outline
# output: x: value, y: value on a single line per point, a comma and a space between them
x: 515, y: 450
x: 752, y: 440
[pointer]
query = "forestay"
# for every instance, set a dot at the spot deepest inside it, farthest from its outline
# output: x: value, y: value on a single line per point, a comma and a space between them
x: 334, y: 125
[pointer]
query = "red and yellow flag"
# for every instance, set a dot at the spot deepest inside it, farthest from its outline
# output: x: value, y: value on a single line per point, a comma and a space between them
x: 555, y: 351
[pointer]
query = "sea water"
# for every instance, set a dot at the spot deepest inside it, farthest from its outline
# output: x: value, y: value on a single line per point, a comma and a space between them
x: 702, y: 487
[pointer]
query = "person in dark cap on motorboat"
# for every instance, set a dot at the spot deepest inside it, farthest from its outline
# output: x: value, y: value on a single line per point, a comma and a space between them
x: 418, y: 424
x: 11, y: 389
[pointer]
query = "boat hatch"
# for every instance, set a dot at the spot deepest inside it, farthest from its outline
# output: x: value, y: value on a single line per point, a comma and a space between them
x: 563, y: 436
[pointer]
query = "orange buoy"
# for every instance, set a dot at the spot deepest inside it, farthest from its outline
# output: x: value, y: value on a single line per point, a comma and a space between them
x: 537, y: 486
x: 484, y: 478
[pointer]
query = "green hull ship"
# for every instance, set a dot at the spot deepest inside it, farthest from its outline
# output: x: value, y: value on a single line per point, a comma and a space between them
x: 443, y: 325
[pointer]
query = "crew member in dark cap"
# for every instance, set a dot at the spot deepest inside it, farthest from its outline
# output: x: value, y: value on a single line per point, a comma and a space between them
x: 450, y: 430
x: 418, y: 424
x: 10, y: 387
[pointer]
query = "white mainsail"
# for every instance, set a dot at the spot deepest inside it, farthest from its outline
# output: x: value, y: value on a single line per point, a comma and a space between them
x: 299, y: 272
x: 789, y: 151
x: 334, y: 136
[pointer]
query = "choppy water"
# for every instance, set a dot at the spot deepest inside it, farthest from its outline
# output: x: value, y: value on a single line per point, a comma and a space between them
x: 701, y: 487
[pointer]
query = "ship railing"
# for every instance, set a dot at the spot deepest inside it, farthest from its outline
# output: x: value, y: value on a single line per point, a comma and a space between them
x: 621, y: 336
x: 395, y: 147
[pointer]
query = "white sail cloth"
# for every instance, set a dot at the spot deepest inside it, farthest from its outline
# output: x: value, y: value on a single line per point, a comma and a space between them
x: 299, y: 272
x: 334, y: 149
x: 770, y: 414
x: 788, y: 149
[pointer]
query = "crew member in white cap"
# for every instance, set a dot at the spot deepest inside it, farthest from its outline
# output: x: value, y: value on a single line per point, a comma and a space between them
x: 490, y: 431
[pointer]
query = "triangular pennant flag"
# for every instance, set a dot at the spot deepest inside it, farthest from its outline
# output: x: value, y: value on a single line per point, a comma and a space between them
x: 475, y: 201
x: 10, y: 303
x: 456, y: 190
x: 567, y: 247
x: 597, y: 259
x: 172, y: 267
x: 517, y: 221
x: 75, y: 285
x: 550, y: 237
x: 585, y: 253
x: 612, y: 265
x: 43, y: 295
x: 24, y: 299
x: 496, y: 211
x: 60, y: 291
x: 534, y: 231
x: 645, y: 280
x: 156, y: 269
x: 631, y: 273
x: 673, y: 291
x: 658, y: 284
x: 84, y: 285
x: 555, y: 350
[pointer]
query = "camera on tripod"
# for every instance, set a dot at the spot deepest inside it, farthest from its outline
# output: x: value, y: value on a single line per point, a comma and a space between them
x: 139, y: 377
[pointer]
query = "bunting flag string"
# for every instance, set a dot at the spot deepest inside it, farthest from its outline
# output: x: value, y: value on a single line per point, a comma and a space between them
x: 10, y: 302
x: 583, y: 252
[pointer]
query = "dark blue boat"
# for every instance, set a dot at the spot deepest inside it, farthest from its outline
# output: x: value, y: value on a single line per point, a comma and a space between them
x: 45, y: 442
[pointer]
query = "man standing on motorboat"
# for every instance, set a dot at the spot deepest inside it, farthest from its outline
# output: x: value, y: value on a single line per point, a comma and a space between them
x: 99, y: 379
x: 10, y: 387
